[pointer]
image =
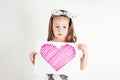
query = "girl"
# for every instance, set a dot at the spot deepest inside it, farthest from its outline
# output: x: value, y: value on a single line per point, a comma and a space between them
x: 61, y: 30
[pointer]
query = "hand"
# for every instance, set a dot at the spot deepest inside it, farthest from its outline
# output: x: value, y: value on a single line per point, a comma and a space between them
x: 32, y: 56
x: 84, y: 58
x: 82, y: 47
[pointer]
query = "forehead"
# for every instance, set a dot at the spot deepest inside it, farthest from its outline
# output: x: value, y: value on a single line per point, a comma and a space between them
x: 59, y: 19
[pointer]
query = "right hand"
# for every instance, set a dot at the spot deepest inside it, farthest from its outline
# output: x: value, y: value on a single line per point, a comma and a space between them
x: 32, y: 56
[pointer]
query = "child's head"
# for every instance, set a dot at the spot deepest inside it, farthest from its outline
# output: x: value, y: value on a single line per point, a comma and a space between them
x: 61, y: 27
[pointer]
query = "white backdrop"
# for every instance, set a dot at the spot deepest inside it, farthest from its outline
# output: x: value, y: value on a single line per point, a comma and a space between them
x: 23, y: 22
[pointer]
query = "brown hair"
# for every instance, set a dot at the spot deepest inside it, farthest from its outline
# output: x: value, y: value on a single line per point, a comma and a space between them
x: 71, y: 34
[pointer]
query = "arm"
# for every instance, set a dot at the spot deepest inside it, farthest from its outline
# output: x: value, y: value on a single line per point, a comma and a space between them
x: 84, y: 58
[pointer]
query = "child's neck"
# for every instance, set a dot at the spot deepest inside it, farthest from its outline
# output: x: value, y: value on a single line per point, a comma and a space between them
x: 58, y: 40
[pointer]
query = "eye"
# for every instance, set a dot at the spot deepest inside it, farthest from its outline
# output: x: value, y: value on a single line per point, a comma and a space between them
x: 57, y: 26
x: 64, y: 27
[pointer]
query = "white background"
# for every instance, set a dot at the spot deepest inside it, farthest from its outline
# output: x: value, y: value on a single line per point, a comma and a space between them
x: 23, y: 22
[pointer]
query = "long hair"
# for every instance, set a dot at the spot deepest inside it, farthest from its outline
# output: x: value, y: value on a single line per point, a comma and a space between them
x: 71, y: 37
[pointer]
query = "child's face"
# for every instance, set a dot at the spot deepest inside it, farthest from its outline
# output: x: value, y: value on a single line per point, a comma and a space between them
x: 60, y: 27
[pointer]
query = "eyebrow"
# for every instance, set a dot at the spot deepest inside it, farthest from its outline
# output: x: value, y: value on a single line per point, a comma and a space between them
x: 62, y: 25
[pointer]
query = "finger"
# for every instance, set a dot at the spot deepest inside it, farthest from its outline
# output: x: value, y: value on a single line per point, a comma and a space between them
x: 31, y: 57
x: 79, y: 46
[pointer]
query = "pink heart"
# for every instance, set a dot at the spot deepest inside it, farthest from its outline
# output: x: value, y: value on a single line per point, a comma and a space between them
x: 57, y: 57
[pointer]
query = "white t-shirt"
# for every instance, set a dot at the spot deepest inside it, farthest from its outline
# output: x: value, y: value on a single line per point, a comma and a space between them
x: 41, y: 67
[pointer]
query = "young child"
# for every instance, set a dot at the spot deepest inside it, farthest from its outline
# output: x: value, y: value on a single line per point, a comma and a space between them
x: 61, y: 30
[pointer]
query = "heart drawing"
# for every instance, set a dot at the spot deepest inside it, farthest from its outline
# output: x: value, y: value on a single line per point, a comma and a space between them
x: 57, y: 57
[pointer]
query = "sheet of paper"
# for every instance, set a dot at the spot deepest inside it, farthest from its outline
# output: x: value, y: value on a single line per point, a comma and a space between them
x: 42, y: 66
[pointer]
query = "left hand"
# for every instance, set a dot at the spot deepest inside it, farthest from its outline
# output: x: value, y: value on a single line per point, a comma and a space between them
x: 83, y: 59
x: 82, y: 47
